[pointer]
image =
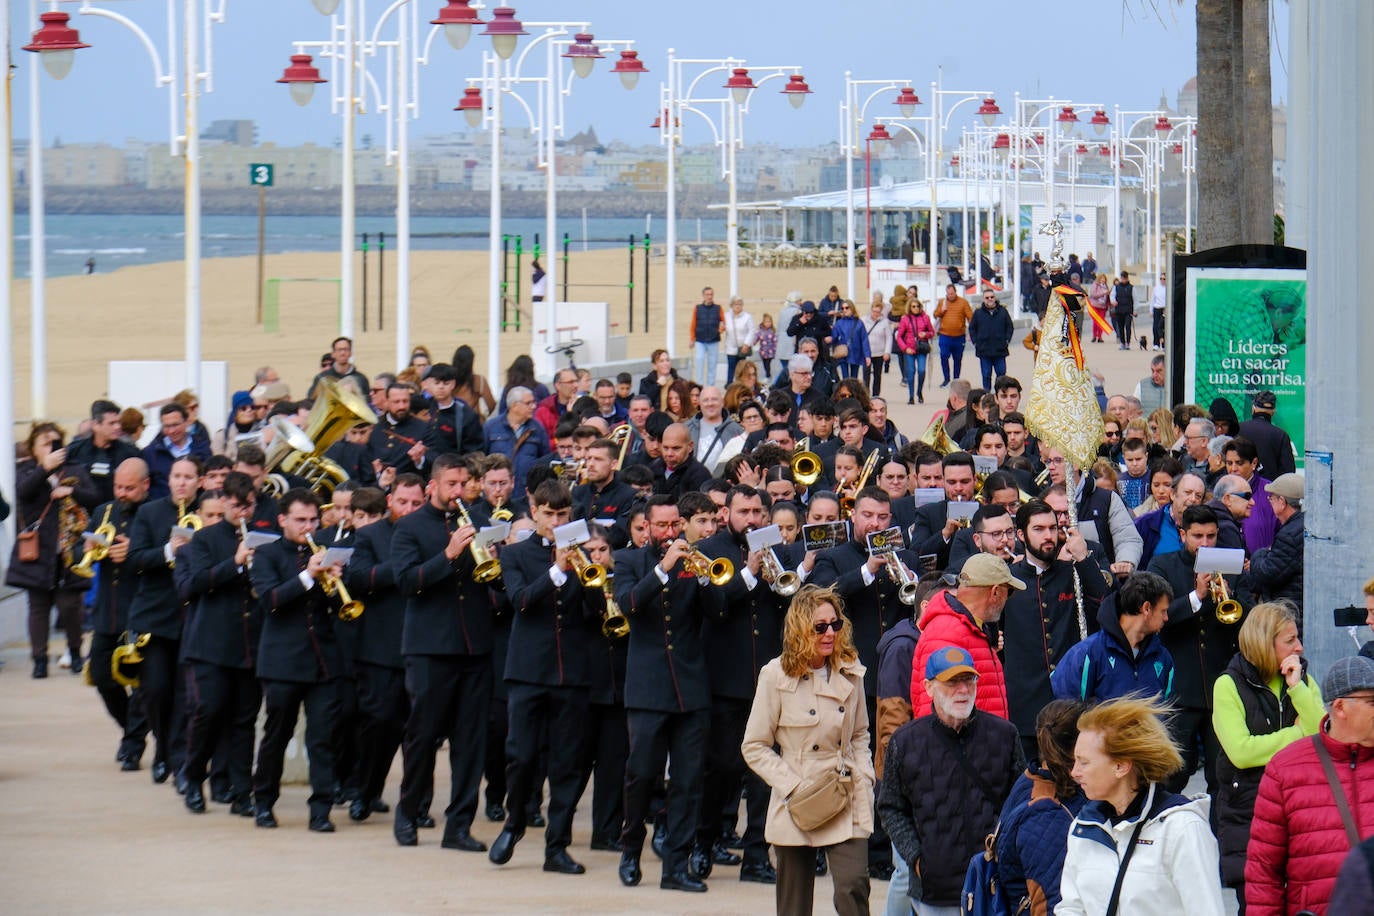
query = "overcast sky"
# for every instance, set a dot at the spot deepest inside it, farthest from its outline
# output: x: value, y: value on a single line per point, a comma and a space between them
x: 1109, y: 51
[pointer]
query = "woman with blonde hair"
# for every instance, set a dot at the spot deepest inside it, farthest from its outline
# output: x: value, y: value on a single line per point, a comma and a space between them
x: 807, y: 729
x: 1263, y: 702
x: 1135, y: 848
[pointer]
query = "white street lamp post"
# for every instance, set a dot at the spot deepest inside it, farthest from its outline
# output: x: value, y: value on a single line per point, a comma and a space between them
x: 941, y: 118
x: 852, y: 114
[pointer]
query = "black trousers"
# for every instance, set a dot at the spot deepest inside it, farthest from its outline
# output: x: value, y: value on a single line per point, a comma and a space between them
x: 1122, y: 324
x: 725, y: 770
x: 494, y: 768
x: 163, y: 691
x: 41, y: 603
x: 606, y: 745
x: 284, y: 701
x: 382, y: 710
x: 221, y: 715
x: 1191, y: 727
x: 449, y: 698
x: 345, y: 739
x: 125, y: 709
x: 533, y: 709
x: 655, y: 738
x: 1157, y: 328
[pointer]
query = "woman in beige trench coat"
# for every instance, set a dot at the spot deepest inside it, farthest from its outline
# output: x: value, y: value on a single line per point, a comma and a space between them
x: 810, y: 704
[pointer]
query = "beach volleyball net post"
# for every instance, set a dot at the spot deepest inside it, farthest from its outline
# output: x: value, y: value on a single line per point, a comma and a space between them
x: 271, y: 304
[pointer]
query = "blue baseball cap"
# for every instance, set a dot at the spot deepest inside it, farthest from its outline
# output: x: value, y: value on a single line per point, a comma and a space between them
x: 948, y: 663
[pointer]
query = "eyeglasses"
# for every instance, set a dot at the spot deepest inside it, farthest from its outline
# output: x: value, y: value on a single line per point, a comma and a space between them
x: 1112, y: 435
x: 999, y: 535
x: 1245, y: 496
x: 832, y: 625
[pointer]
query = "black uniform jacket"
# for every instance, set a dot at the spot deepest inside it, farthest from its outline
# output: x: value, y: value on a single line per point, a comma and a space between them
x: 157, y: 608
x: 613, y: 502
x: 606, y: 658
x: 749, y: 633
x: 298, y: 640
x: 550, y: 632
x: 225, y: 621
x: 391, y: 442
x: 118, y: 582
x: 1201, y: 645
x: 456, y: 428
x: 447, y: 613
x: 666, y: 669
x: 371, y: 579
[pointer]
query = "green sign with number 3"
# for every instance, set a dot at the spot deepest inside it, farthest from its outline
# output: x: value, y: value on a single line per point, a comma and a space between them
x: 260, y: 174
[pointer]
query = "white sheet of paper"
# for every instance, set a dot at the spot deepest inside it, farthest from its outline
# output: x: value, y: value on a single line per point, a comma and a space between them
x: 984, y: 464
x: 186, y: 533
x: 93, y: 538
x: 574, y: 532
x: 962, y: 510
x: 337, y: 555
x: 492, y: 534
x: 927, y: 495
x: 256, y: 539
x: 763, y: 538
x: 1227, y: 560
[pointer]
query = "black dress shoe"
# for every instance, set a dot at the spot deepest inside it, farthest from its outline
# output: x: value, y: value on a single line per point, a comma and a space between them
x: 495, y: 813
x: 731, y: 840
x: 606, y: 846
x: 194, y: 799
x: 722, y: 856
x: 221, y: 796
x: 179, y: 782
x: 241, y: 807
x: 405, y: 831
x: 821, y: 866
x: 128, y: 764
x: 660, y: 838
x: 629, y: 869
x: 380, y: 807
x: 699, y: 862
x: 424, y: 821
x: 880, y: 871
x: 464, y: 841
x: 160, y: 771
x: 563, y: 864
x: 320, y: 823
x: 682, y: 881
x: 263, y: 818
x: 535, y: 819
x: 76, y: 665
x: 359, y: 810
x: 504, y: 847
x: 758, y: 872
x: 40, y: 668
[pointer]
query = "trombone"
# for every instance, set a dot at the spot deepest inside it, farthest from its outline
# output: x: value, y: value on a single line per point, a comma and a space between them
x: 488, y: 567
x: 621, y: 436
x: 719, y: 571
x: 782, y: 581
x: 1228, y: 609
x: 593, y: 575
x: 334, y: 585
x: 805, y: 464
x: 847, y: 502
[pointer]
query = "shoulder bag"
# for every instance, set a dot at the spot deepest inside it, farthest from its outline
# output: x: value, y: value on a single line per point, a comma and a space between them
x: 27, y: 548
x: 1352, y: 833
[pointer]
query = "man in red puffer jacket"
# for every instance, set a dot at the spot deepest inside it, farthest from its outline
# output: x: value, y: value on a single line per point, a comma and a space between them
x: 1298, y: 839
x: 958, y: 618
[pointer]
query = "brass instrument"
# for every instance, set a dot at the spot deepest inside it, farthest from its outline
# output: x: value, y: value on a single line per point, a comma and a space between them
x: 275, y: 485
x: 805, y: 464
x: 301, y: 451
x: 906, y: 579
x: 782, y: 581
x: 501, y: 514
x: 1228, y: 609
x: 621, y: 436
x: 96, y: 551
x: 847, y: 502
x: 614, y: 624
x: 572, y: 468
x: 127, y: 659
x: 718, y: 571
x: 188, y: 519
x: 593, y: 575
x: 936, y: 437
x: 967, y: 520
x: 334, y: 585
x: 71, y: 523
x: 488, y: 567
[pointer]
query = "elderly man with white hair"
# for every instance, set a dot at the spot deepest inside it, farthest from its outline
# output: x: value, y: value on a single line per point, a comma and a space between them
x: 713, y: 429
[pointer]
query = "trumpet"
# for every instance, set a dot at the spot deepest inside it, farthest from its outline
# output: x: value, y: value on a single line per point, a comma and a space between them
x: 566, y: 469
x: 782, y: 581
x: 127, y: 659
x: 805, y: 464
x: 334, y: 586
x: 847, y: 502
x: 488, y: 567
x: 96, y: 551
x: 593, y: 575
x: 718, y: 571
x: 1228, y: 609
x: 904, y: 577
x: 614, y: 624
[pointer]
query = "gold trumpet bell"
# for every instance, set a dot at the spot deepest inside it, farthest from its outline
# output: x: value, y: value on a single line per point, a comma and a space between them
x: 718, y: 571
x: 488, y: 570
x: 95, y: 553
x: 806, y: 468
x: 126, y: 662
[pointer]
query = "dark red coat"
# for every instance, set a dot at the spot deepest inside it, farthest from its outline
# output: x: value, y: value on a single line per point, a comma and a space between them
x: 1297, y: 840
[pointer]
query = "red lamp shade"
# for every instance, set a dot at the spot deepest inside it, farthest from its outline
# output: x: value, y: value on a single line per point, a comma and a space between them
x: 629, y: 67
x: 989, y: 111
x: 504, y: 30
x: 457, y: 18
x: 907, y: 100
x: 471, y: 106
x: 740, y: 84
x: 796, y: 90
x: 57, y: 42
x: 301, y: 76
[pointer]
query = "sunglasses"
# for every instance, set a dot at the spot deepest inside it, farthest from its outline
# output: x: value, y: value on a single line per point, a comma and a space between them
x: 833, y: 625
x: 1245, y: 496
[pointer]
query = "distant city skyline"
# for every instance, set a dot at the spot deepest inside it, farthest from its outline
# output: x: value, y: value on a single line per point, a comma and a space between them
x: 1127, y: 54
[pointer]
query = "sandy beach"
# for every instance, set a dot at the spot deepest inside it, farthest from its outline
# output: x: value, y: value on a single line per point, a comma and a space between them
x: 137, y: 313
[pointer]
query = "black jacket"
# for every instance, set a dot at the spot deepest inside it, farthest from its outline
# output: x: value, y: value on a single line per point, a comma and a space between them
x: 666, y: 667
x: 1039, y: 625
x: 613, y: 502
x: 391, y: 442
x: 687, y: 478
x: 873, y: 609
x: 991, y: 331
x: 160, y: 460
x: 551, y: 631
x: 298, y: 641
x: 355, y: 459
x: 157, y: 607
x: 455, y: 428
x: 933, y: 806
x: 749, y: 634
x: 1229, y: 532
x: 225, y: 622
x: 117, y: 583
x: 447, y: 613
x: 927, y: 533
x: 1273, y: 444
x: 1277, y: 571
x: 1201, y: 645
x: 606, y: 658
x: 371, y: 579
x: 32, y: 496
x: 100, y: 463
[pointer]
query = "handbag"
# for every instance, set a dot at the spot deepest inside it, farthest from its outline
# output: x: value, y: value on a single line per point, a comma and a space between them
x: 839, y: 351
x: 26, y: 546
x: 745, y: 350
x: 821, y: 798
x: 922, y: 347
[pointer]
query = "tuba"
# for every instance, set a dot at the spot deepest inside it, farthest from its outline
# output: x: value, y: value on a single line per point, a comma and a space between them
x: 95, y: 550
x: 488, y: 567
x: 1229, y: 610
x: 936, y: 437
x: 301, y: 451
x: 718, y: 571
x: 334, y: 585
x: 805, y: 464
x: 614, y: 624
x: 127, y: 659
